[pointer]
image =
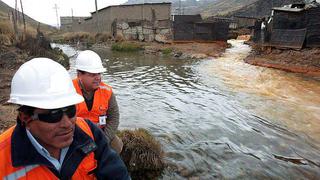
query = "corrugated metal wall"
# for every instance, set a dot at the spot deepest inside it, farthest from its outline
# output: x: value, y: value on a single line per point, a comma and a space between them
x: 313, y: 27
x: 295, y: 29
x: 192, y: 27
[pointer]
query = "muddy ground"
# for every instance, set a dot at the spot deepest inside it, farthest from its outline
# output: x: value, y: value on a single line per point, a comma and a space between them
x: 10, y: 60
x: 306, y: 61
x: 194, y: 50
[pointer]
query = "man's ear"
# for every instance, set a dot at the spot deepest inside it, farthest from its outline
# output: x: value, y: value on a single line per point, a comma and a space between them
x: 24, y: 118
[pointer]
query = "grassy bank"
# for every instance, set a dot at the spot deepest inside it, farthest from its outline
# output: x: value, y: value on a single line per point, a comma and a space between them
x: 126, y: 47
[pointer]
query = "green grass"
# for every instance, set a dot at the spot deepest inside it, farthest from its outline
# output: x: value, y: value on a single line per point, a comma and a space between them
x: 166, y: 51
x: 126, y: 47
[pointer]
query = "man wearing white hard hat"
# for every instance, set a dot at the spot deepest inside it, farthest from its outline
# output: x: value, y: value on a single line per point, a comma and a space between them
x: 100, y: 105
x: 49, y: 141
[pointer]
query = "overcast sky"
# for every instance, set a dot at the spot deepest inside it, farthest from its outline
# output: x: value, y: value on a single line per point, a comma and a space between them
x: 43, y: 10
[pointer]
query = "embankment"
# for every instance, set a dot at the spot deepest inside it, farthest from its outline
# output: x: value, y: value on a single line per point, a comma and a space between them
x: 306, y: 61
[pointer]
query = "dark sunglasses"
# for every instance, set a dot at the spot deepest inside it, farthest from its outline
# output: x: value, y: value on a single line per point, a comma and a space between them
x: 55, y: 115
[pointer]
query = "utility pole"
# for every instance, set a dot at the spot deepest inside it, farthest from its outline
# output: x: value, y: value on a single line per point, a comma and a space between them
x: 56, y: 8
x: 180, y: 7
x: 16, y: 10
x: 97, y: 12
x: 72, y: 14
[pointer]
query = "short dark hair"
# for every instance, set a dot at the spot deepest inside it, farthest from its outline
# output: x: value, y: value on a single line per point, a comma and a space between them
x: 28, y: 110
x: 81, y: 72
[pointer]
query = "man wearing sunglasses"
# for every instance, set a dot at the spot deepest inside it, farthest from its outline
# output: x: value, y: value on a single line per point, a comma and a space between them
x: 100, y: 105
x: 49, y: 141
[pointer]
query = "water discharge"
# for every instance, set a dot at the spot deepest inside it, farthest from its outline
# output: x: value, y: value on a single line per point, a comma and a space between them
x: 220, y: 118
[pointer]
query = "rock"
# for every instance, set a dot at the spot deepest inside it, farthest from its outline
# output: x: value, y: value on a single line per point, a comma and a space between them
x: 198, y: 56
x: 177, y: 54
x: 164, y: 31
x: 161, y: 38
x: 123, y: 25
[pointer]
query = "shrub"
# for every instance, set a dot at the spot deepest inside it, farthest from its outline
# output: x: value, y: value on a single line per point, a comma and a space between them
x: 166, y: 51
x: 5, y: 39
x: 74, y: 37
x: 102, y: 37
x: 142, y: 154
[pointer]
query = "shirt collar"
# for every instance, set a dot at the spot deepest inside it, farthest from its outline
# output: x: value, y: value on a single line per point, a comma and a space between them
x: 43, y: 152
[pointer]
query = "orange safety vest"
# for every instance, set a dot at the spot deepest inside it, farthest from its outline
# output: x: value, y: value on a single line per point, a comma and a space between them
x: 7, y: 171
x: 100, y: 102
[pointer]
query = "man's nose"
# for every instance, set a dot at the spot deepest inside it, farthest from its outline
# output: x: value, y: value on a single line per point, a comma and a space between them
x: 66, y: 121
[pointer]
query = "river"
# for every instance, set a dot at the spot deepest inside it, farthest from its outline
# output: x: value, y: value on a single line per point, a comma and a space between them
x: 220, y: 118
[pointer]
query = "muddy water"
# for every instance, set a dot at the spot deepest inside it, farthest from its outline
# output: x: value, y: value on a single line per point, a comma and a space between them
x: 221, y: 118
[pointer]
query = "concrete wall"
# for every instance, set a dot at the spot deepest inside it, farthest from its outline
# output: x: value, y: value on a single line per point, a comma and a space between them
x: 139, y: 21
x: 149, y: 12
x: 68, y: 22
x: 106, y: 16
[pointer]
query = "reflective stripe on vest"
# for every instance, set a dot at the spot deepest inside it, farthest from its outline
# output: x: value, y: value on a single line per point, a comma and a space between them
x: 20, y: 173
x: 100, y: 102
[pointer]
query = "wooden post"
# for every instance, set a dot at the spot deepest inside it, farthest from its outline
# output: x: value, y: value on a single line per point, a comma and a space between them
x: 24, y: 21
x: 16, y: 10
x: 14, y: 23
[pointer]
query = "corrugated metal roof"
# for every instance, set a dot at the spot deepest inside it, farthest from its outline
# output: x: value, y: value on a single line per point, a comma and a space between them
x: 288, y: 9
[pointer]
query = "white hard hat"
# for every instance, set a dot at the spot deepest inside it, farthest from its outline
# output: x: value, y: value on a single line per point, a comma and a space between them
x: 43, y: 83
x: 89, y: 61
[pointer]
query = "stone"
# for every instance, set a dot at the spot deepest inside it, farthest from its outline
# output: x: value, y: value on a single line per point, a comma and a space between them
x: 161, y: 38
x: 164, y: 31
x: 122, y: 25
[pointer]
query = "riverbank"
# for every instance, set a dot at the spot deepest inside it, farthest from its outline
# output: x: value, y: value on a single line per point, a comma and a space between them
x: 306, y: 61
x: 12, y: 56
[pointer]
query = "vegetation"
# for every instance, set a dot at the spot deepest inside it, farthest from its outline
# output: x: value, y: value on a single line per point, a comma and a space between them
x: 74, y: 37
x: 142, y: 154
x: 166, y: 51
x: 102, y: 37
x: 126, y: 47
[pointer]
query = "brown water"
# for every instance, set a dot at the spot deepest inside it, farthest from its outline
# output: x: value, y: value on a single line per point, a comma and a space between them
x: 221, y: 118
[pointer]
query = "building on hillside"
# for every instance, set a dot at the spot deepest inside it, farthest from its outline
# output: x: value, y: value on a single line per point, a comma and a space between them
x: 194, y: 28
x: 244, y: 21
x: 232, y: 23
x: 295, y: 26
x: 66, y: 22
x: 145, y: 22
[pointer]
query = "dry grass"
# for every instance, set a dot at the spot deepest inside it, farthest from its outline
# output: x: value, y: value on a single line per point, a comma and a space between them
x: 5, y: 39
x: 6, y: 27
x: 6, y: 33
x: 8, y: 116
x: 119, y: 38
x: 74, y: 37
x: 102, y: 37
x: 142, y: 154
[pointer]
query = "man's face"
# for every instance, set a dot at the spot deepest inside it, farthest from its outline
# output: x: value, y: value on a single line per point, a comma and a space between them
x: 52, y: 135
x: 90, y: 81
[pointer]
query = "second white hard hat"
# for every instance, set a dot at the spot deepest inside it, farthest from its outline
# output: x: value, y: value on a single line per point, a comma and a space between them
x: 89, y: 61
x: 43, y: 83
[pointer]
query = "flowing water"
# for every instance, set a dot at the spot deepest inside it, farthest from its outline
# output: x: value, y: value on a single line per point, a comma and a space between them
x: 220, y: 118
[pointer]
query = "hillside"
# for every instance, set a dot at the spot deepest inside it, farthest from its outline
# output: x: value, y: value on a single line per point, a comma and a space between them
x: 5, y: 10
x: 262, y: 8
x: 207, y: 8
